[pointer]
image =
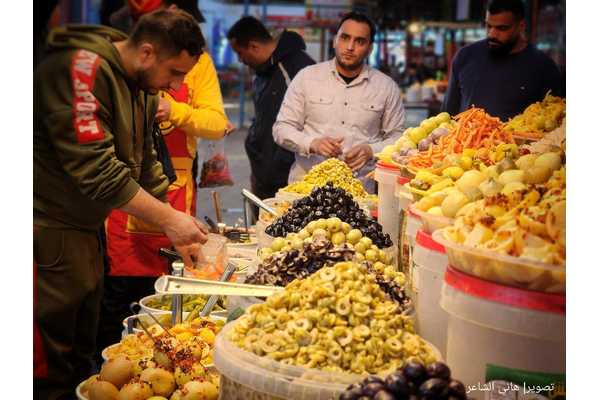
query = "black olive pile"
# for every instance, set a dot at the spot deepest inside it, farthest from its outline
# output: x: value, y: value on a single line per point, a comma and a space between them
x: 412, y: 382
x: 326, y: 202
x: 283, y: 267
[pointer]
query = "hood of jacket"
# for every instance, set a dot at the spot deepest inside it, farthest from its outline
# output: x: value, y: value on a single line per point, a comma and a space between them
x: 95, y: 38
x: 289, y: 42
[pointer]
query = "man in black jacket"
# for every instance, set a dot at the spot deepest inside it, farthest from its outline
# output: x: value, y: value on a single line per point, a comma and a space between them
x: 275, y: 61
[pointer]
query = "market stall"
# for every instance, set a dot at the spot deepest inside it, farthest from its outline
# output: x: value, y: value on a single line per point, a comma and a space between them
x: 456, y: 290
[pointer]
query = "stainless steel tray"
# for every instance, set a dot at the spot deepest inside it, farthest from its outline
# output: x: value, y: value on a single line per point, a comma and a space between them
x: 169, y: 284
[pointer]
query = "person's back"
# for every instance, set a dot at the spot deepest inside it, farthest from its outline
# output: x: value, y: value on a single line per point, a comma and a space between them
x: 269, y: 87
x: 276, y: 62
x: 68, y: 193
x: 502, y: 74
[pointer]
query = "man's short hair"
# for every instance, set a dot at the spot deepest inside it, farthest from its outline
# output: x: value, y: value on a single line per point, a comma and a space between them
x: 247, y: 29
x: 513, y: 6
x: 359, y: 17
x: 171, y: 31
x: 189, y: 6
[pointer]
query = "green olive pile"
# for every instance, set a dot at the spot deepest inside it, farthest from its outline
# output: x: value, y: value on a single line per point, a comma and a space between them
x: 338, y: 320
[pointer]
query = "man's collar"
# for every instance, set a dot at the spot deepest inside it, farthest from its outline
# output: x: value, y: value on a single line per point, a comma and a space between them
x: 365, y: 73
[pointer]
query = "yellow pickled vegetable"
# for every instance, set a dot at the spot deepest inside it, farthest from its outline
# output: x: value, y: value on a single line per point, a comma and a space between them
x: 331, y: 170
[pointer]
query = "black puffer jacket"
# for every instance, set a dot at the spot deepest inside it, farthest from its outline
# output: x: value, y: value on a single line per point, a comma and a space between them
x: 271, y: 163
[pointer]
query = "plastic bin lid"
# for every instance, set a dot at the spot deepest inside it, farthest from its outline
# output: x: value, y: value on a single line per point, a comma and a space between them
x: 424, y: 239
x: 512, y: 296
x: 401, y: 180
x: 412, y: 214
x: 388, y: 166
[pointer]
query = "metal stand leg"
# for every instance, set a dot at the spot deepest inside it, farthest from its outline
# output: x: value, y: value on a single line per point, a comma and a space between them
x: 245, y: 213
x: 177, y: 304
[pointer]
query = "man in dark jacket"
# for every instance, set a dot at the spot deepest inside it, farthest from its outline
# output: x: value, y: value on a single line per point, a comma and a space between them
x: 92, y: 152
x: 276, y: 61
x: 503, y: 73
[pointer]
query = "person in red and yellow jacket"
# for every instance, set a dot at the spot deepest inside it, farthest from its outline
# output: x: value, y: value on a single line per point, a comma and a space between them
x: 193, y: 111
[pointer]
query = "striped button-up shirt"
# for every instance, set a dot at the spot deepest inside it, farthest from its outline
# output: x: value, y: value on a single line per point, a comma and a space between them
x: 318, y: 103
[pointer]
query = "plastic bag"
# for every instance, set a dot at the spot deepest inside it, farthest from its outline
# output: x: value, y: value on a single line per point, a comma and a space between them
x: 215, y: 168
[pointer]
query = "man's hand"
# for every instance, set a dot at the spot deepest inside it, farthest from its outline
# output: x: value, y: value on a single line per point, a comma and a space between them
x: 358, y: 156
x: 327, y: 146
x: 229, y: 128
x: 164, y: 109
x: 186, y: 233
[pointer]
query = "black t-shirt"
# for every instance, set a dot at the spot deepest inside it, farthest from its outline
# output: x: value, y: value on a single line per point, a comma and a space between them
x: 502, y: 85
x: 347, y: 79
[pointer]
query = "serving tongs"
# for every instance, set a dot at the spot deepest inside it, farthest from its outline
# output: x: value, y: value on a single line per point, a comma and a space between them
x: 135, y: 308
x: 258, y: 202
x: 212, y: 300
x: 233, y: 234
x: 169, y: 284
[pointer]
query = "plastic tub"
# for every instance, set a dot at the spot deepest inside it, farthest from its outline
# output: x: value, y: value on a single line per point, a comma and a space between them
x: 501, y: 268
x: 387, y: 209
x: 145, y: 307
x: 502, y: 334
x: 278, y: 205
x: 264, y: 239
x: 431, y: 222
x: 79, y: 391
x: 429, y: 265
x: 247, y: 376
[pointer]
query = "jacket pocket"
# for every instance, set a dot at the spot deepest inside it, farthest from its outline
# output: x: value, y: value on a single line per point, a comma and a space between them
x: 48, y: 247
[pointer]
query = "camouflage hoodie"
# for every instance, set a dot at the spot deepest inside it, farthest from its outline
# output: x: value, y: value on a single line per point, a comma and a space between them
x: 92, y: 143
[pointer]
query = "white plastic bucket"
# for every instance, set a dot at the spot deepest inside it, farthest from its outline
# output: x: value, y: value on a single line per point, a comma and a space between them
x: 387, y: 207
x: 500, y: 335
x: 429, y: 265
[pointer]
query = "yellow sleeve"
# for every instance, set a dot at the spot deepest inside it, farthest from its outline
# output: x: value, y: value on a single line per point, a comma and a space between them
x: 205, y: 116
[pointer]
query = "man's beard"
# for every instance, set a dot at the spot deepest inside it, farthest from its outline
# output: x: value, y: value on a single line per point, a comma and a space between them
x: 143, y: 82
x: 349, y: 67
x: 503, y: 48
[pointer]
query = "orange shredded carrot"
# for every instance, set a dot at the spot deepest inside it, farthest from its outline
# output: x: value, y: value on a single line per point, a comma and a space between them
x: 475, y: 129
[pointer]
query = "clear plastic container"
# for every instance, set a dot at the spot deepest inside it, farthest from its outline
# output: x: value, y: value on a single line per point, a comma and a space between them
x: 247, y: 376
x: 431, y: 222
x: 211, y: 260
x: 518, y: 334
x: 508, y: 270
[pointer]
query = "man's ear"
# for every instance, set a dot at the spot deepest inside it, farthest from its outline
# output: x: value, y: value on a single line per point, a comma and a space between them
x: 522, y: 27
x: 253, y: 45
x: 146, y: 54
